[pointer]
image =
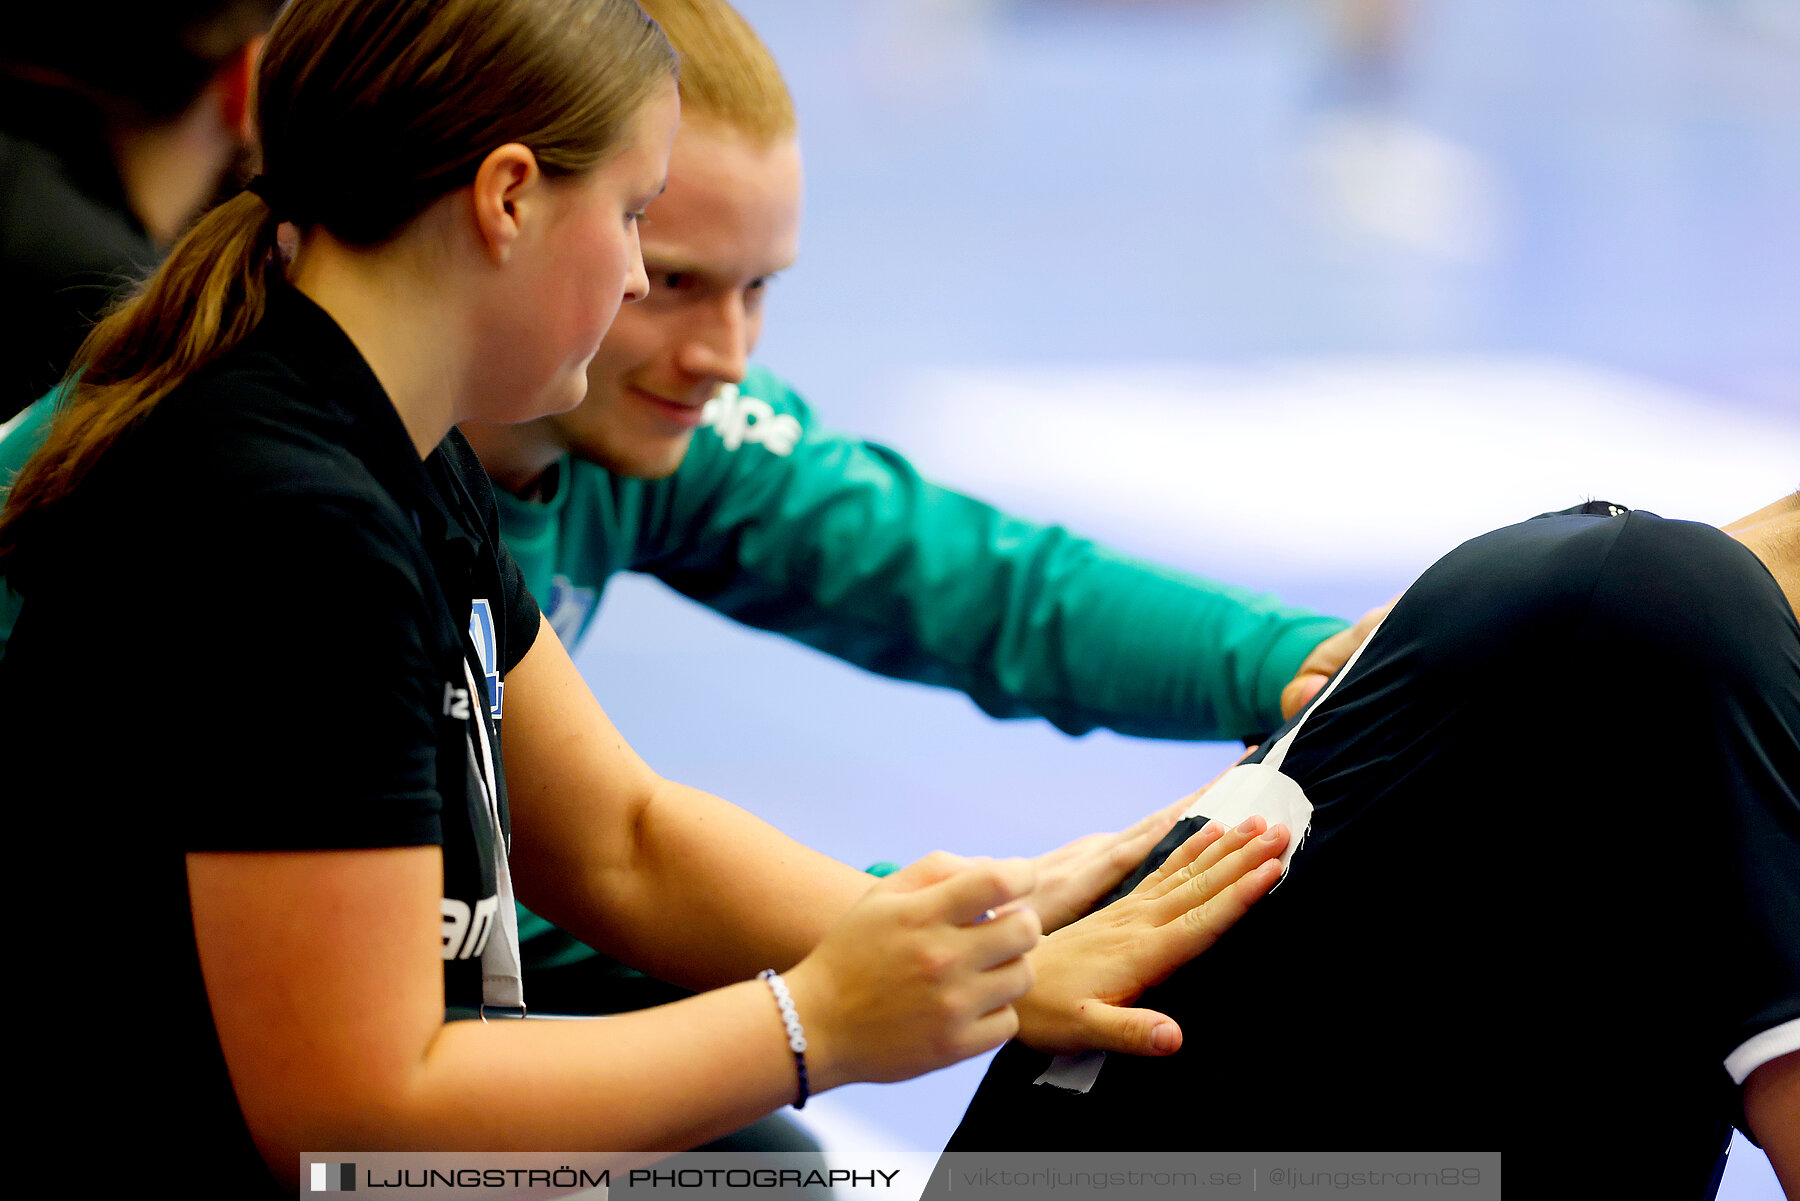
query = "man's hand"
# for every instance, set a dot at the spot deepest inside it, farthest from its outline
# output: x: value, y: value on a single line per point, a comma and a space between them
x: 1071, y: 878
x: 1089, y: 971
x: 1326, y: 658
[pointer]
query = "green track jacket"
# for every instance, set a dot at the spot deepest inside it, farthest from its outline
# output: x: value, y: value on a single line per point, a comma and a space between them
x: 781, y: 524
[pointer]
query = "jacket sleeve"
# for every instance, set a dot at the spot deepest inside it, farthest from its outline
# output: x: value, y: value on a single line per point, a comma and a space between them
x: 20, y: 436
x: 840, y: 544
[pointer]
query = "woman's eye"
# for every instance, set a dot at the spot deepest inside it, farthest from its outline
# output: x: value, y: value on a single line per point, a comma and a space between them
x: 672, y: 279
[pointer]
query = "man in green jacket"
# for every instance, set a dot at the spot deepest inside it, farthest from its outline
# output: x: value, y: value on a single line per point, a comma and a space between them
x: 691, y: 464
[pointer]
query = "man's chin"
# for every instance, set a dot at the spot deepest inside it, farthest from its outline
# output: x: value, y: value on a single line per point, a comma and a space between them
x: 641, y: 458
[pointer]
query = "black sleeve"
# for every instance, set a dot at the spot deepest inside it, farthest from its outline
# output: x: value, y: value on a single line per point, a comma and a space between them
x: 522, y: 616
x: 302, y: 685
x: 519, y: 614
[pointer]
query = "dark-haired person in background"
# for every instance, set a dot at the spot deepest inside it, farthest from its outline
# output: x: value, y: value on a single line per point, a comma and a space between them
x: 118, y: 123
x: 1549, y: 900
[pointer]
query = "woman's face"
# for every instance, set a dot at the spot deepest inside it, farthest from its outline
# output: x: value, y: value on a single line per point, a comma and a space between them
x: 572, y: 274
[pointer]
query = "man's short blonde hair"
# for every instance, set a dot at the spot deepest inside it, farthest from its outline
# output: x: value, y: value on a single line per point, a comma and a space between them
x: 727, y: 75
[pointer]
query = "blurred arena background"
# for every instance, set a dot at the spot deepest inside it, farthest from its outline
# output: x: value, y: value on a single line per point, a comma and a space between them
x: 1297, y: 293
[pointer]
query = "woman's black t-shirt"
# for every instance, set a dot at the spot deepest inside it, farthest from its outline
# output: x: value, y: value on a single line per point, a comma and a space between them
x: 260, y: 624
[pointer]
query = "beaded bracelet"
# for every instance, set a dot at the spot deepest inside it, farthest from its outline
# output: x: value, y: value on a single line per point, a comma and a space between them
x: 796, y: 1036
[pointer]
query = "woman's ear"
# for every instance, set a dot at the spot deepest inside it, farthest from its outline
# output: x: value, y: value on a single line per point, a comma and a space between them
x: 508, y: 186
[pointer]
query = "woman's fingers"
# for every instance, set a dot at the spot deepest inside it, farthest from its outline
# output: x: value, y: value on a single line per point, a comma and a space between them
x: 999, y: 987
x: 1131, y: 845
x: 1154, y: 825
x: 1192, y: 915
x: 1207, y: 921
x: 1156, y: 883
x: 1009, y: 934
x: 923, y: 873
x: 924, y: 970
x: 966, y: 896
x: 1071, y: 878
x: 1213, y: 875
x: 989, y: 1031
x: 1130, y: 1031
x: 1203, y: 859
x: 1213, y: 880
x: 1209, y: 833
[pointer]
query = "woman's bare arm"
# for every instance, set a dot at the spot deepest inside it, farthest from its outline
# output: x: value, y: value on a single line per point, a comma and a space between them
x: 660, y: 875
x: 325, y: 979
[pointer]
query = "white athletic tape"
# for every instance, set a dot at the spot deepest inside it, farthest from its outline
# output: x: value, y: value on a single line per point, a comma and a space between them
x: 1258, y: 790
x: 1076, y: 1073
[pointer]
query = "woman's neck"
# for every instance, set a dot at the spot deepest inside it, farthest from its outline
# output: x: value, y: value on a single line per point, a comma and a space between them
x: 402, y: 322
x: 517, y: 457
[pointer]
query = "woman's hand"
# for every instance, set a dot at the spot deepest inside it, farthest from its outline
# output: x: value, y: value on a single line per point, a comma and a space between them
x: 1071, y: 878
x: 920, y: 973
x: 1090, y: 971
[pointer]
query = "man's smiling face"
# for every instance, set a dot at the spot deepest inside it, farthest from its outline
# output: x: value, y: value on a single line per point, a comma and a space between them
x: 729, y: 220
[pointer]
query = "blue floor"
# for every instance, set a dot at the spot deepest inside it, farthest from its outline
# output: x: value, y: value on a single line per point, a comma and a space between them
x: 1190, y: 278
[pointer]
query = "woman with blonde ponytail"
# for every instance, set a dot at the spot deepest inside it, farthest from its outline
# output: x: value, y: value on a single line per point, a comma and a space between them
x: 279, y: 787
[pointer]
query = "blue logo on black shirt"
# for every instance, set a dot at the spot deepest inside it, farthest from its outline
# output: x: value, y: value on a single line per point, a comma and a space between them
x: 481, y: 633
